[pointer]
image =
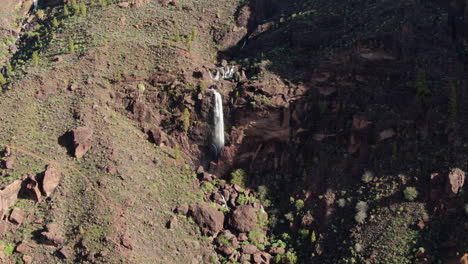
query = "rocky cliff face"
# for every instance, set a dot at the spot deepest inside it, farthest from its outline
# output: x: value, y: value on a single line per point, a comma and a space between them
x: 346, y: 118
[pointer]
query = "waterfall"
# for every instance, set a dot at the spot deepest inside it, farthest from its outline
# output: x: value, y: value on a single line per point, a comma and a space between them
x: 35, y: 5
x: 218, y: 123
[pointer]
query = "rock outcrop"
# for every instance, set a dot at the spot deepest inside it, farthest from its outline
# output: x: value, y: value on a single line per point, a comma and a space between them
x: 51, y: 180
x: 9, y: 196
x: 455, y: 182
x: 209, y: 219
x: 244, y: 218
x: 81, y: 140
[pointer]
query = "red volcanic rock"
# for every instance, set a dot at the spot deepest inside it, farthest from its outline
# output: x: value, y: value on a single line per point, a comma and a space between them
x: 210, y: 220
x: 81, y: 140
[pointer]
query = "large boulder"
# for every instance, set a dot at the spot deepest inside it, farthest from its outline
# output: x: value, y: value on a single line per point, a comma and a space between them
x: 81, y: 140
x: 209, y: 219
x: 9, y: 196
x: 51, y: 180
x: 244, y: 218
x: 456, y: 180
x: 53, y: 235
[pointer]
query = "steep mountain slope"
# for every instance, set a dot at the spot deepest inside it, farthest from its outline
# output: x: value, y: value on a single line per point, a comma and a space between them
x: 345, y: 124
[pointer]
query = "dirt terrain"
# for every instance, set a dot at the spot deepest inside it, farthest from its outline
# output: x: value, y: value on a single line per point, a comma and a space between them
x: 345, y: 129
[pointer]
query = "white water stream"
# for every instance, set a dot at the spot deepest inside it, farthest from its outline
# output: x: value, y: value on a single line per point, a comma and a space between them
x: 218, y: 122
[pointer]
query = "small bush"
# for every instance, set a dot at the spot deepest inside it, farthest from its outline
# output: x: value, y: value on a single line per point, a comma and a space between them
x: 71, y: 45
x: 299, y: 204
x: 410, y: 193
x: 83, y: 10
x: 193, y: 34
x: 2, y: 79
x: 55, y: 22
x: 177, y: 36
x: 360, y: 217
x: 262, y: 192
x: 289, y: 216
x: 361, y: 206
x: 341, y: 202
x: 141, y: 87
x: 239, y: 177
x: 66, y: 12
x: 35, y: 58
x: 367, y: 177
x: 103, y: 3
x: 186, y: 119
x: 207, y: 187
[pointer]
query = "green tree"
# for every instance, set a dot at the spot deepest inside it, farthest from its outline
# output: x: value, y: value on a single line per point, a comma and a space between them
x: 71, y: 45
x: 35, y: 58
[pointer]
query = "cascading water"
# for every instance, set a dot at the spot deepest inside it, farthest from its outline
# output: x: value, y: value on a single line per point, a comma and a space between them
x: 218, y: 123
x: 36, y: 2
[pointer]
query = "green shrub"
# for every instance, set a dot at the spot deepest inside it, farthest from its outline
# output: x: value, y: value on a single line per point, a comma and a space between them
x: 141, y: 87
x: 361, y: 206
x: 8, y: 248
x: 55, y: 22
x: 66, y: 12
x: 299, y: 204
x: 341, y: 202
x: 193, y: 34
x: 186, y: 119
x: 71, y: 45
x: 255, y: 236
x: 410, y: 193
x: 177, y: 36
x: 289, y: 216
x: 103, y: 3
x: 207, y: 187
x: 360, y: 217
x: 189, y: 46
x: 35, y: 58
x: 289, y: 257
x: 262, y: 192
x: 2, y: 79
x: 239, y: 177
x: 367, y: 177
x: 83, y: 10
